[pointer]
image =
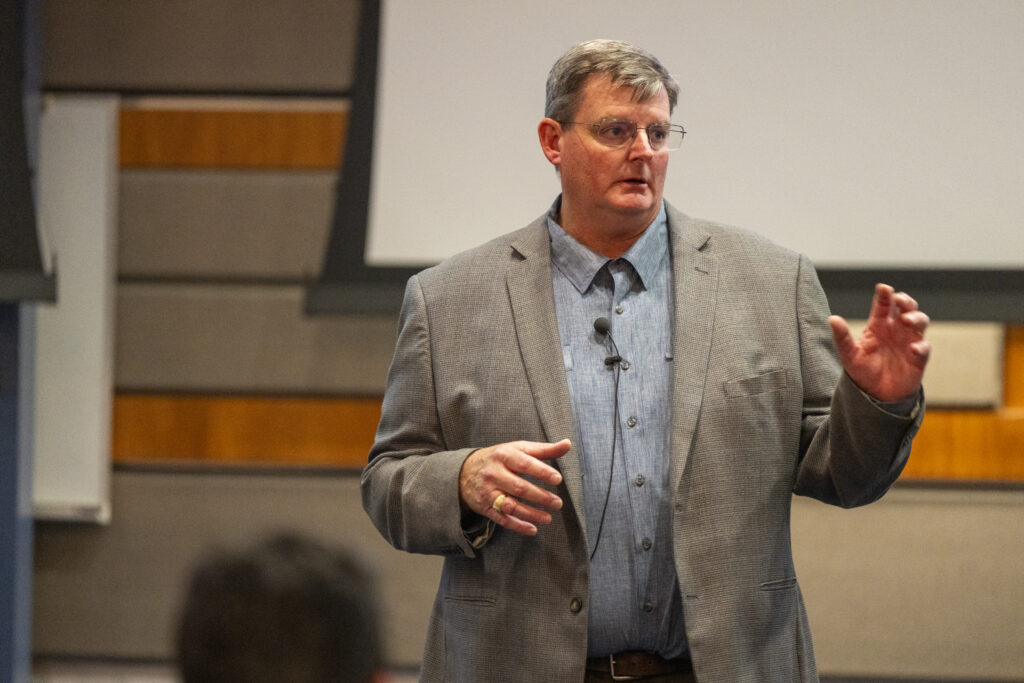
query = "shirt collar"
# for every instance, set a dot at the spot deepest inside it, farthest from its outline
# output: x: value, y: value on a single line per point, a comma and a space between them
x: 580, y: 264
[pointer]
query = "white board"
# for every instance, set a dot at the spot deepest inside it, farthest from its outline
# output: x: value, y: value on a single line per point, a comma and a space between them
x: 77, y: 192
x: 865, y: 133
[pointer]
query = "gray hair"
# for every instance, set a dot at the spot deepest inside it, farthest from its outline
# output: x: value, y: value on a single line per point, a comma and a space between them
x: 625, y: 64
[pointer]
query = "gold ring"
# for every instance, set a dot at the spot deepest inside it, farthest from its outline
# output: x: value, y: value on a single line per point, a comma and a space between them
x: 498, y: 501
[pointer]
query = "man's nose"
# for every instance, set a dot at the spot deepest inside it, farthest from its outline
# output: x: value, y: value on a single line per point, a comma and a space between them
x: 640, y: 146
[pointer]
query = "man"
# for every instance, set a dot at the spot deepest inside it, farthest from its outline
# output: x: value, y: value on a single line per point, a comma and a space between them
x: 612, y: 498
x: 287, y: 609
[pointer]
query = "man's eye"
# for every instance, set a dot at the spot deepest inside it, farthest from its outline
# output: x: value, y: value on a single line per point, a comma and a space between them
x: 657, y: 133
x: 615, y: 130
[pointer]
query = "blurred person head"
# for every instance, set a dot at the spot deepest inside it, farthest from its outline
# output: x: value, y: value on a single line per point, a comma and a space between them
x: 286, y: 610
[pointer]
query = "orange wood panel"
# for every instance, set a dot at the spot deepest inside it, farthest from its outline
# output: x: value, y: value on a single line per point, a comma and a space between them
x: 981, y: 445
x: 260, y: 430
x: 176, y: 138
x: 978, y: 445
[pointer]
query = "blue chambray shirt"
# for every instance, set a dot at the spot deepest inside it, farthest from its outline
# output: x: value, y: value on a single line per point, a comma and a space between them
x: 634, y: 594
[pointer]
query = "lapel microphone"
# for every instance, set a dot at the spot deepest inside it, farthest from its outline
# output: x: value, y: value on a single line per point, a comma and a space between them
x: 604, y: 328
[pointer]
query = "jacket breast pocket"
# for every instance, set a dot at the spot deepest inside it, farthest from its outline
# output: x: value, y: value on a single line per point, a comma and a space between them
x: 779, y: 584
x: 773, y: 380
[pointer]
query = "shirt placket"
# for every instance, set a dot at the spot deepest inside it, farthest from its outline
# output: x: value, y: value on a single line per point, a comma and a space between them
x: 634, y: 477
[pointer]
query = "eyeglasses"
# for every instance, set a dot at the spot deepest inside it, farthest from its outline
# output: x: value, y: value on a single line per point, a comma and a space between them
x: 616, y: 133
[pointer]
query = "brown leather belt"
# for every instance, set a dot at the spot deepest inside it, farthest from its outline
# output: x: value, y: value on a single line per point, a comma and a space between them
x: 626, y: 666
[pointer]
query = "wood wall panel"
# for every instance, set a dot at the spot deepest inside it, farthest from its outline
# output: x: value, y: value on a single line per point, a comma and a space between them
x: 230, y: 138
x: 952, y: 444
x: 969, y: 445
x: 244, y: 430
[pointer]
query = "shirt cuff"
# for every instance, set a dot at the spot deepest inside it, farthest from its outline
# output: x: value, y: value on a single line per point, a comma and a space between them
x: 907, y: 407
x: 475, y: 529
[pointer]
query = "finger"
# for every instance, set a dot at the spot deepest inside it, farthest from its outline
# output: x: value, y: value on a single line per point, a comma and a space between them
x: 917, y: 320
x: 525, y: 458
x: 513, y: 507
x: 512, y: 523
x: 881, y: 303
x: 515, y: 515
x: 524, y: 490
x: 551, y: 450
x: 841, y: 334
x: 545, y: 451
x: 904, y: 302
x: 922, y: 349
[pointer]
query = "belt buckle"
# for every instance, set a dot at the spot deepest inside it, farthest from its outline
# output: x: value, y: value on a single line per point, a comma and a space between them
x: 616, y: 677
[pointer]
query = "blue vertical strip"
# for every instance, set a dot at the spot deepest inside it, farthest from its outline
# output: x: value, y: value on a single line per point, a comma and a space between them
x: 17, y: 344
x: 17, y: 399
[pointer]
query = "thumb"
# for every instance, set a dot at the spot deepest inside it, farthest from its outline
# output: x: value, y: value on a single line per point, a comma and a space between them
x: 547, y: 450
x: 841, y: 334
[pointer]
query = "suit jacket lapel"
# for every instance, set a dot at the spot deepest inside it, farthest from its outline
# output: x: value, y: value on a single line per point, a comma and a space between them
x: 533, y: 309
x: 696, y: 285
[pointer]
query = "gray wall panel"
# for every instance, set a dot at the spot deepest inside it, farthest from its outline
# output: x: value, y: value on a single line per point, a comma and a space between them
x: 244, y: 339
x: 224, y: 223
x: 926, y: 582
x: 196, y: 45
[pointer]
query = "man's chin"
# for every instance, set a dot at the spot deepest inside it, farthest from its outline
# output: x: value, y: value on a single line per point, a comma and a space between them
x: 635, y: 203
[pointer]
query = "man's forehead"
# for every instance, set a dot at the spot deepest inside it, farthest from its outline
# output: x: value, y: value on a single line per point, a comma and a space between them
x: 600, y: 91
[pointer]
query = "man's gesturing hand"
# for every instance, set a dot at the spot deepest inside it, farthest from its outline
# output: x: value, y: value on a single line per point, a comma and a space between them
x: 887, y: 360
x: 491, y: 484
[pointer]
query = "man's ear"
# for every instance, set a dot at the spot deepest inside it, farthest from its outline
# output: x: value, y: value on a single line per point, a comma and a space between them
x: 550, y: 134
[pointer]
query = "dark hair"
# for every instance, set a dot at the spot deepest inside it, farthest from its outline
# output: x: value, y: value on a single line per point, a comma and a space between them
x: 287, y: 609
x: 623, y: 63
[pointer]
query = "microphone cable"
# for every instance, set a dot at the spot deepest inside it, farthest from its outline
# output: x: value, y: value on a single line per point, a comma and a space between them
x: 603, y: 328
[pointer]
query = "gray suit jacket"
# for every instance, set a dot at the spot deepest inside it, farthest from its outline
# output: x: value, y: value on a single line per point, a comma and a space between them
x: 760, y: 410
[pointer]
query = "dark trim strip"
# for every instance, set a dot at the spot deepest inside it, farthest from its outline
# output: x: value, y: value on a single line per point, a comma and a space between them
x: 211, y: 280
x: 343, y: 260
x: 960, y: 295
x: 216, y: 93
x: 248, y: 469
x: 24, y: 285
x: 945, y: 294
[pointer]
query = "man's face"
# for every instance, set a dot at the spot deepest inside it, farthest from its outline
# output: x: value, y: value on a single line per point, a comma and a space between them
x: 606, y: 182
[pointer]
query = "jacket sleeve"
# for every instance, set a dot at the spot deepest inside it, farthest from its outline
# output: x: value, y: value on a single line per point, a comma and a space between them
x: 410, y: 486
x: 851, y: 448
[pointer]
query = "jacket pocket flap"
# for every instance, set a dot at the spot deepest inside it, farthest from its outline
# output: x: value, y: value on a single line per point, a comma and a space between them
x: 758, y: 384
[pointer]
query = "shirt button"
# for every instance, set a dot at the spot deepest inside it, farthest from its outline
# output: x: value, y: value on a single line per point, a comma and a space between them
x: 648, y: 606
x: 640, y: 479
x: 646, y: 543
x: 624, y: 365
x: 631, y: 421
x: 619, y: 309
x: 575, y: 606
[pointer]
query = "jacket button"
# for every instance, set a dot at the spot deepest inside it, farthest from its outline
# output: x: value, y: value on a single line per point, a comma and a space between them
x: 575, y: 606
